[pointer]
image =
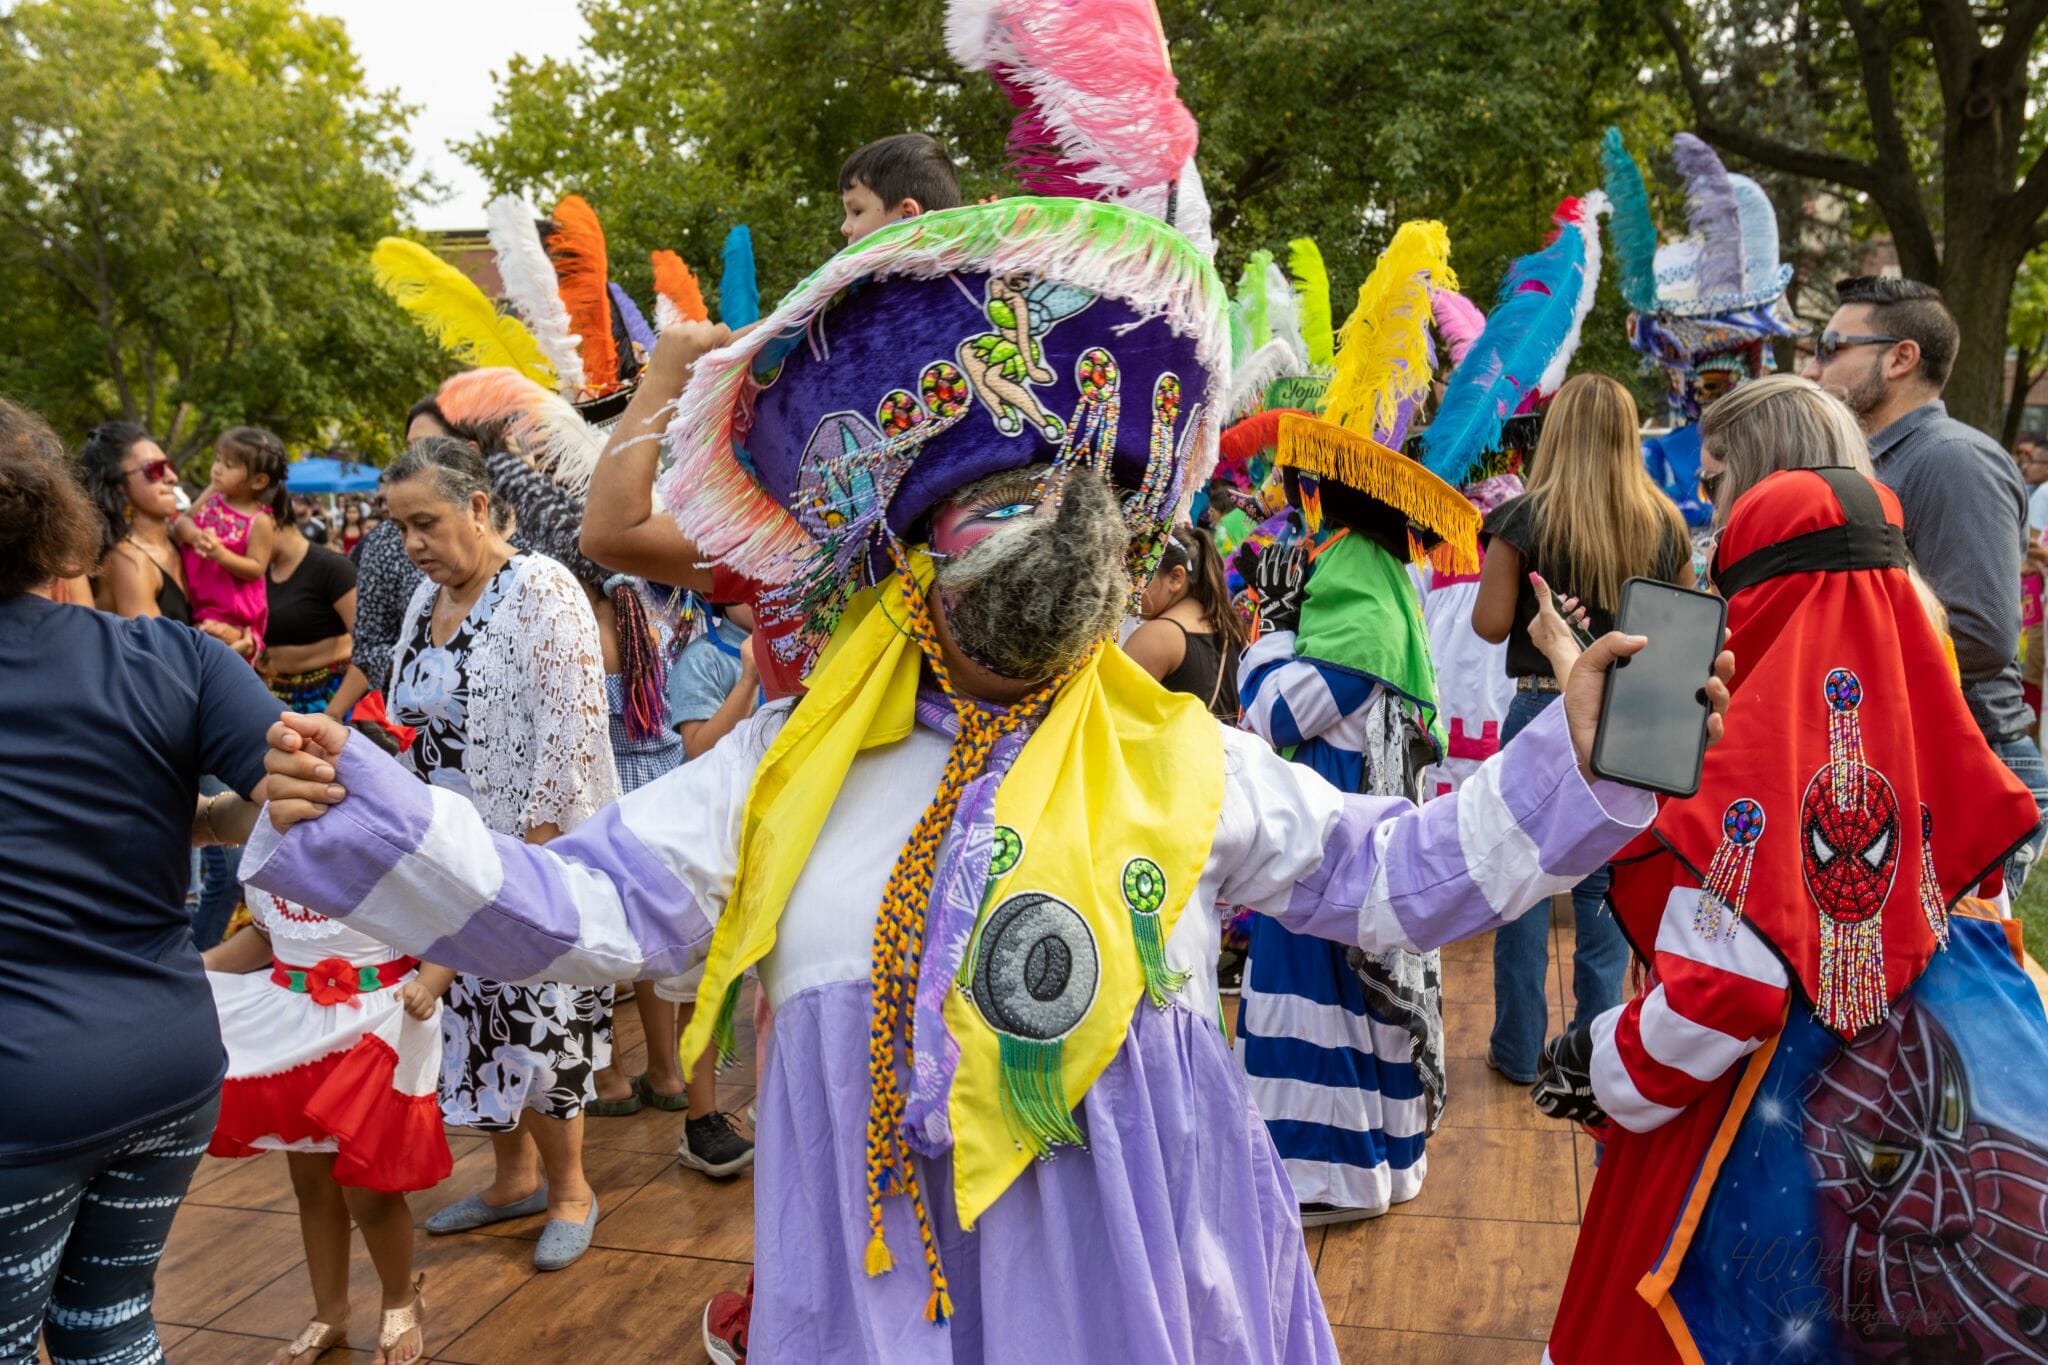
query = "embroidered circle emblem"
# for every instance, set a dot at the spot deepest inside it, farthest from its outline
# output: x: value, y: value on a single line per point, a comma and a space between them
x: 1009, y: 849
x: 1844, y: 689
x: 1036, y: 968
x: 1094, y: 372
x: 1743, y: 824
x: 1144, y: 886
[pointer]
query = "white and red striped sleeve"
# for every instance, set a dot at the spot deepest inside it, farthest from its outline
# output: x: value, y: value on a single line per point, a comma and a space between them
x: 1715, y: 999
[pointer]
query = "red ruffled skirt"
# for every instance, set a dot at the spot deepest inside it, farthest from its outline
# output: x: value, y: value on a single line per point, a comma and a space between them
x: 357, y: 1081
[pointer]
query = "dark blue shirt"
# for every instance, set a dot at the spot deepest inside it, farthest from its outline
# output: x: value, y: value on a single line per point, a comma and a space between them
x: 106, y: 1021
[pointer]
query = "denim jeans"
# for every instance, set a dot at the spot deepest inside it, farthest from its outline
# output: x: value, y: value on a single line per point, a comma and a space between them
x: 220, y: 884
x: 1521, y: 951
x: 83, y: 1234
x: 2023, y: 756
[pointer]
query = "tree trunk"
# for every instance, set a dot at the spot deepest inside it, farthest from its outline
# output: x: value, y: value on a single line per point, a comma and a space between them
x: 2024, y: 377
x: 1977, y: 271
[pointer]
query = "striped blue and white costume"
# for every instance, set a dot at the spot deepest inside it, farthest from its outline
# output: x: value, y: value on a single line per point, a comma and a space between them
x: 1332, y: 1056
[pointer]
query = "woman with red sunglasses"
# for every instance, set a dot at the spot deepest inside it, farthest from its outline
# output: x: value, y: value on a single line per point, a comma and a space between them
x: 136, y: 490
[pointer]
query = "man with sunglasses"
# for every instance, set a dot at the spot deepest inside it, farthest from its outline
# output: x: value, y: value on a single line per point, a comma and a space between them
x: 1887, y: 352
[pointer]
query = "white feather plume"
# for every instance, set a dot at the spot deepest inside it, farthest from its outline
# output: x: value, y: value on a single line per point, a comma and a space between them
x: 531, y: 286
x: 1283, y: 314
x: 1593, y: 206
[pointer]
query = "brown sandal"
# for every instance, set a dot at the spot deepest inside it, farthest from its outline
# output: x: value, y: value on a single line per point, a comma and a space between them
x: 398, y: 1322
x: 316, y: 1339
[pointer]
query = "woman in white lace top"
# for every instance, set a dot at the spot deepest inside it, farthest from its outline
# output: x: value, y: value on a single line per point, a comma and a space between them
x: 499, y: 668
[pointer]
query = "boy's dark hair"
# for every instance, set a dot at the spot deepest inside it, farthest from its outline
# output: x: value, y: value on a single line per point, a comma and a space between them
x: 906, y: 166
x: 1911, y: 311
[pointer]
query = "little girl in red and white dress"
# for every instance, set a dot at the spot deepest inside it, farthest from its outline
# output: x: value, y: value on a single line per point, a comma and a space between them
x: 334, y: 1054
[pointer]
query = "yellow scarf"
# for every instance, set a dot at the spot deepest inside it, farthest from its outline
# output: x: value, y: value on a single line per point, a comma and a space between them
x: 1105, y: 823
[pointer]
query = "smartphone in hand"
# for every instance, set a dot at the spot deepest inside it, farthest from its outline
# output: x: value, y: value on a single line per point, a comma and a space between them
x: 1653, y: 720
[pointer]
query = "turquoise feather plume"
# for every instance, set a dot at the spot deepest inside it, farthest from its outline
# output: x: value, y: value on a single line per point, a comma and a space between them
x: 739, y: 297
x: 1634, y: 230
x: 1534, y: 320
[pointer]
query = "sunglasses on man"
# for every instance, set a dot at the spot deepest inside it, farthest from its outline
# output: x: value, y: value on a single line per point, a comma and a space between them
x: 1832, y: 344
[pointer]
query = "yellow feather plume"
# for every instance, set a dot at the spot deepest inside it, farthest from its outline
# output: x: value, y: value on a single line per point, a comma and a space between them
x: 454, y: 312
x: 1383, y: 354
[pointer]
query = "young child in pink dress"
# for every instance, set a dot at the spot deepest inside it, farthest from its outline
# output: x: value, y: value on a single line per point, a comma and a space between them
x: 225, y: 541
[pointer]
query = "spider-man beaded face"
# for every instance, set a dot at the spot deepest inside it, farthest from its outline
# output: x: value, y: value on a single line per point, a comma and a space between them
x: 1849, y: 849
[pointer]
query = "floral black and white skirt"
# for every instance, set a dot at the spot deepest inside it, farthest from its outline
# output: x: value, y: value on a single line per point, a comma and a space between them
x: 506, y: 1049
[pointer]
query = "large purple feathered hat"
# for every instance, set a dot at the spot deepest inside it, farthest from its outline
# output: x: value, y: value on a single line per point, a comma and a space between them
x: 937, y: 351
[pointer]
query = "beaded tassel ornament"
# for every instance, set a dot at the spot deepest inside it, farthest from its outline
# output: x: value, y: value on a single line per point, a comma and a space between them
x: 1849, y: 827
x: 1845, y: 736
x: 1932, y: 903
x: 1726, y: 887
x: 1144, y: 891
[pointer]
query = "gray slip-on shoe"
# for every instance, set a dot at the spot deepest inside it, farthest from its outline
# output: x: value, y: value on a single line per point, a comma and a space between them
x: 563, y: 1242
x: 473, y: 1212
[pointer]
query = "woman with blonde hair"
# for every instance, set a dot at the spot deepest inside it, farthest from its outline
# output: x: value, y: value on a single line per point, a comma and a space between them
x: 1591, y: 520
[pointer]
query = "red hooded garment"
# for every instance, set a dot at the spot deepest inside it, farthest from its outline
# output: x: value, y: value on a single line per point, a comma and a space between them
x: 1851, y: 804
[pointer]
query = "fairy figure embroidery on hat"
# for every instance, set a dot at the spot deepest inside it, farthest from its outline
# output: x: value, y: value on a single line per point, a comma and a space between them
x: 1005, y: 364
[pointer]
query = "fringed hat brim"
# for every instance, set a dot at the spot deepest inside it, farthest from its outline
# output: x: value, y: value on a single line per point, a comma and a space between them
x: 1340, y: 455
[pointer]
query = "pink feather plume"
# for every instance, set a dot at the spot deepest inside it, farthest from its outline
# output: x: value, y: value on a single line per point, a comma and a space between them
x: 1094, y: 89
x: 1459, y: 320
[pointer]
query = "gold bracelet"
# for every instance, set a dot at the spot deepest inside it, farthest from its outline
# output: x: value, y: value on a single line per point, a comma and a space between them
x: 206, y: 815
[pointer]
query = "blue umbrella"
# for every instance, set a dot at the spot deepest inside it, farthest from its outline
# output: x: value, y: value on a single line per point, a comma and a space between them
x: 321, y: 474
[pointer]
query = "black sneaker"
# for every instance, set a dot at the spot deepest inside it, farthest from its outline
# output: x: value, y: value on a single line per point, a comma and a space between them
x: 712, y: 1145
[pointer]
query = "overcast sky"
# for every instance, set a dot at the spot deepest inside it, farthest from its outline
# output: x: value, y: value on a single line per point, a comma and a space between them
x: 440, y: 55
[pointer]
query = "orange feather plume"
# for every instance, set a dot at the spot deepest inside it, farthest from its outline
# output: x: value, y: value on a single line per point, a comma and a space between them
x: 676, y: 286
x: 577, y: 248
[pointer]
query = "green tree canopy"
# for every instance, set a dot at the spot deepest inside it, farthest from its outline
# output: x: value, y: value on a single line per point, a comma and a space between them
x: 683, y: 117
x: 189, y: 199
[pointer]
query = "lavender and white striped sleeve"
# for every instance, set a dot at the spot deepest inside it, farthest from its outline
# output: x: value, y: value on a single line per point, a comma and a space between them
x: 632, y: 892
x: 1383, y: 873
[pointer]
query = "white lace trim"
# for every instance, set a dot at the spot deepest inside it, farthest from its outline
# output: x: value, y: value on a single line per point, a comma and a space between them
x: 539, y: 736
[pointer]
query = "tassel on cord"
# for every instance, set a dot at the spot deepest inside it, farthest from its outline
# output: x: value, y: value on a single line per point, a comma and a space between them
x: 879, y: 1261
x: 1364, y: 464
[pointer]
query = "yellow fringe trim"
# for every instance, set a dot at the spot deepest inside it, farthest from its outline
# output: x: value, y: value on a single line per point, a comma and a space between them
x: 938, y: 1307
x: 880, y: 1262
x: 1332, y: 452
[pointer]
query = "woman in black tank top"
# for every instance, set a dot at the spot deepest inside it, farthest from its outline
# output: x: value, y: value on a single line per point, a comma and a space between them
x: 1192, y: 636
x: 136, y: 490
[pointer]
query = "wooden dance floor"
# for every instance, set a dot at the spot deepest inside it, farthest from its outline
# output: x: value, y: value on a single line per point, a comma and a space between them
x: 1468, y: 1272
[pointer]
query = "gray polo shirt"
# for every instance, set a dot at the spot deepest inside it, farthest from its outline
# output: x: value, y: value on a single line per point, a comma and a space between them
x: 1966, y: 524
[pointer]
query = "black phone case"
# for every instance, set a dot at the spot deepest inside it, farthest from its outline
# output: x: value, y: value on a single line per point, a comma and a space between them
x: 1599, y: 766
